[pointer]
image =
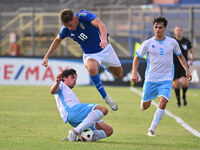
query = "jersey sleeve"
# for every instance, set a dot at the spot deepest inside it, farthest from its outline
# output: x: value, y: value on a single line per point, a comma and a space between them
x: 86, y: 16
x: 142, y: 50
x: 177, y: 50
x: 60, y: 87
x: 64, y: 32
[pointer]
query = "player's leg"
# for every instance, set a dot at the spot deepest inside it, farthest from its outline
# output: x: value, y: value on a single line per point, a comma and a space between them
x: 177, y: 76
x: 116, y: 71
x: 92, y: 66
x: 149, y: 93
x: 92, y: 63
x: 164, y: 92
x: 103, y: 130
x: 92, y: 117
x: 157, y: 116
x: 145, y: 105
x: 177, y: 91
x: 83, y: 116
x: 184, y: 88
x: 113, y: 63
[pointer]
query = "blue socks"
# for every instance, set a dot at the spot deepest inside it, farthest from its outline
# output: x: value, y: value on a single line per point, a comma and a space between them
x: 98, y: 84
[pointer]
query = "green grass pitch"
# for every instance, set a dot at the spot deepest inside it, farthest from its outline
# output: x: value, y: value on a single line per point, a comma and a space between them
x: 29, y: 120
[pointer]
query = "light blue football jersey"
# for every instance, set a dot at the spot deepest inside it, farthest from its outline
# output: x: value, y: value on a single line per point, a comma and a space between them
x: 65, y: 99
x: 86, y: 35
x: 159, y: 56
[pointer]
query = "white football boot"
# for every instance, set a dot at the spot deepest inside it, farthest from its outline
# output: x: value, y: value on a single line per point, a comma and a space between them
x: 111, y: 103
x: 65, y: 139
x: 72, y: 135
x: 151, y: 133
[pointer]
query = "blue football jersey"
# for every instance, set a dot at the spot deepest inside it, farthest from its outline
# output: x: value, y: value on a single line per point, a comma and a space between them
x: 86, y: 35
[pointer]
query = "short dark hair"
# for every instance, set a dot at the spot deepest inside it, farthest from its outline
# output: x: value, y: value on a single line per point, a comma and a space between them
x: 159, y: 20
x: 66, y: 15
x: 68, y: 72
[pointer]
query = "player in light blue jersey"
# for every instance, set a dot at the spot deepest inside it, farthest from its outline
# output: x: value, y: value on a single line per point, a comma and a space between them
x: 91, y: 34
x: 79, y: 115
x: 159, y: 72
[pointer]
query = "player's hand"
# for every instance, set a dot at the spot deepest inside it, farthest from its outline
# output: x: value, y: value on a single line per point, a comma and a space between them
x: 188, y: 76
x: 191, y: 62
x: 103, y: 44
x: 59, y: 78
x: 45, y: 62
x: 135, y: 77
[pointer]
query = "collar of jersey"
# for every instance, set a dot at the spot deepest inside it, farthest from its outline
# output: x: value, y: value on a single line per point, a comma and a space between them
x: 160, y: 42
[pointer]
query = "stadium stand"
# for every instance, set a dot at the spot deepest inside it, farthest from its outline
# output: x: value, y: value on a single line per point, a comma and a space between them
x: 127, y: 22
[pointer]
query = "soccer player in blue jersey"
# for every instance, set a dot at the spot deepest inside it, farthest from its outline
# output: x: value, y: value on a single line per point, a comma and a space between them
x: 91, y: 34
x: 79, y: 115
x: 159, y: 72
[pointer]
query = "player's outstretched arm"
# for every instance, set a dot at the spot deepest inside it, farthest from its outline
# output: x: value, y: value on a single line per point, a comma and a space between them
x: 135, y: 77
x: 52, y: 48
x: 103, y: 31
x: 54, y: 89
x: 184, y: 64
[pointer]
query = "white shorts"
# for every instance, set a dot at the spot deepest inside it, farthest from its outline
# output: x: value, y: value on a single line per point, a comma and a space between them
x: 107, y: 57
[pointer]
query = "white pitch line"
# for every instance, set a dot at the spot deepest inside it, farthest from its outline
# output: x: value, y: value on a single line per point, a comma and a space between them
x: 178, y: 120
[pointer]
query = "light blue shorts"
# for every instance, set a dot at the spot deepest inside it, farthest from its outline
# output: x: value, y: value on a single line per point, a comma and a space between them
x: 79, y: 112
x: 152, y: 89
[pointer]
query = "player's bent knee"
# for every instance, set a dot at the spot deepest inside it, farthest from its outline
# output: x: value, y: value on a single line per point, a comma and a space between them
x: 109, y: 131
x: 103, y: 109
x: 120, y: 75
x: 141, y: 108
x: 144, y: 107
x: 92, y: 71
x: 117, y: 72
x: 162, y: 105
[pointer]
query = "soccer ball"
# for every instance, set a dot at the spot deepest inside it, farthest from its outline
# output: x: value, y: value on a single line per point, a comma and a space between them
x: 86, y: 135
